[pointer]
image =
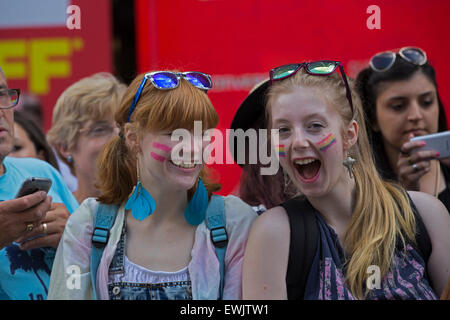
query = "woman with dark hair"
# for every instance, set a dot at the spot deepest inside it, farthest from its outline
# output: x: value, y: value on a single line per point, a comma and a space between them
x: 260, y: 191
x: 30, y: 141
x: 401, y: 101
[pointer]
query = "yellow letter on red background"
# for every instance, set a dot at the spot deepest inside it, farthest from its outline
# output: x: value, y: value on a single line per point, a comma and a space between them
x: 13, y: 50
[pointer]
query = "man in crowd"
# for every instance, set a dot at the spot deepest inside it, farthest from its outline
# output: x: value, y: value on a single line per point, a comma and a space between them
x: 30, y: 226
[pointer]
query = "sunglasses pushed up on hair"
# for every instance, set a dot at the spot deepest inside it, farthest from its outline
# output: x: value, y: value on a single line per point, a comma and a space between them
x: 166, y: 80
x: 315, y: 68
x: 383, y: 61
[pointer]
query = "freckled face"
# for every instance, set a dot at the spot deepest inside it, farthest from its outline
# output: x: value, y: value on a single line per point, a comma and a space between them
x: 309, y: 128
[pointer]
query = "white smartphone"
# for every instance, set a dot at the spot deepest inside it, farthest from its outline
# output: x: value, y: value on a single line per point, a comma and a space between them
x: 437, y: 141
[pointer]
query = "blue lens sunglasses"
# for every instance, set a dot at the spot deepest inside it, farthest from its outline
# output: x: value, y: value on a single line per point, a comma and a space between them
x: 166, y: 80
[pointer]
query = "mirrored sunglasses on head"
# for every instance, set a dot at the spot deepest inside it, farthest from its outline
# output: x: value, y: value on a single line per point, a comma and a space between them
x: 383, y: 61
x: 315, y: 68
x: 166, y: 80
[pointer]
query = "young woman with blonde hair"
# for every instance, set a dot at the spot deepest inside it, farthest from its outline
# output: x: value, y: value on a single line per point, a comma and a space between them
x: 363, y: 223
x: 159, y: 246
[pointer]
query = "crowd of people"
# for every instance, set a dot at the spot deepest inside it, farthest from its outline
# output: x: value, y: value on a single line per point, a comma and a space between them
x: 126, y: 220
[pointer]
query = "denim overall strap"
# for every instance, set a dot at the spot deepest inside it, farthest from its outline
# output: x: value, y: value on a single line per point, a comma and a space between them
x: 125, y: 284
x: 104, y: 219
x: 216, y: 223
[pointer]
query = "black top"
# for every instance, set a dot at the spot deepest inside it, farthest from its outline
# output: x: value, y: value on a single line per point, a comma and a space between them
x: 444, y: 196
x: 388, y: 174
x: 305, y: 240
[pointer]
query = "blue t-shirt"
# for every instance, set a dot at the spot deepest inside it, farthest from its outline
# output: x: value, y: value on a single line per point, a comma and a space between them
x: 25, y: 275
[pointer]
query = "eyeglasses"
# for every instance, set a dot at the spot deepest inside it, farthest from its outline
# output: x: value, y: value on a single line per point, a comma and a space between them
x: 9, y: 98
x: 383, y: 61
x: 315, y: 68
x: 100, y: 130
x: 166, y: 80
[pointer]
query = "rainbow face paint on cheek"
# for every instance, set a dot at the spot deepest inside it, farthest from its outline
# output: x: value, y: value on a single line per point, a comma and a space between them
x: 280, y: 150
x: 327, y: 142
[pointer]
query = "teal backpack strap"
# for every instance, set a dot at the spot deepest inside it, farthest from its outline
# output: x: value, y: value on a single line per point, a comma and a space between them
x: 104, y: 219
x: 216, y: 223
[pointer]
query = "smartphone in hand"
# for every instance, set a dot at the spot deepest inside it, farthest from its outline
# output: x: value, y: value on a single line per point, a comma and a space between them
x: 439, y: 142
x: 34, y: 184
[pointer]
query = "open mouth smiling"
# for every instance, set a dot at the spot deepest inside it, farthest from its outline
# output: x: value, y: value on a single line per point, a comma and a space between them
x: 307, y: 169
x: 183, y: 165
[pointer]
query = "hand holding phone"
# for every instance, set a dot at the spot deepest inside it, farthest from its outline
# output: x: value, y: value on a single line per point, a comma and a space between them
x: 34, y: 184
x: 17, y: 214
x: 439, y: 142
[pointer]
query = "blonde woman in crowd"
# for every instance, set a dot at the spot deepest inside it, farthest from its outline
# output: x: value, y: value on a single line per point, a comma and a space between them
x: 363, y: 225
x: 82, y: 124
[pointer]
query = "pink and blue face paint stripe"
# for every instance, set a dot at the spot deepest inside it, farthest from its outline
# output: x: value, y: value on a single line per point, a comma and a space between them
x: 162, y: 147
x: 327, y: 142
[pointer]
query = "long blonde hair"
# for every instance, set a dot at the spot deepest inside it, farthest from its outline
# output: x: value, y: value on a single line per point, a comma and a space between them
x: 156, y: 110
x: 382, y: 214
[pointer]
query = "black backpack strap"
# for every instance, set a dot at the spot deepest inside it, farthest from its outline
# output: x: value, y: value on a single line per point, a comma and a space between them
x: 302, y: 247
x: 422, y: 238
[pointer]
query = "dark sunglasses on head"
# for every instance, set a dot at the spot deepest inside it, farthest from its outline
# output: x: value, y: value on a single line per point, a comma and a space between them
x: 315, y: 68
x: 383, y: 61
x: 166, y: 80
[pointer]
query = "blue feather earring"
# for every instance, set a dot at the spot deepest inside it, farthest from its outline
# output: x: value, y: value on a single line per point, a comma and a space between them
x: 196, y: 208
x: 141, y: 201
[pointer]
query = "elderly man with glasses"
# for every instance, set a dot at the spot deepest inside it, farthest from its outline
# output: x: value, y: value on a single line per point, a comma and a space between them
x: 30, y: 226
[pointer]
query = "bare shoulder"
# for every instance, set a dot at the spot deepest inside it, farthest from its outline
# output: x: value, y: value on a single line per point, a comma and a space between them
x: 271, y: 231
x: 429, y: 207
x: 434, y: 215
x: 437, y: 222
x: 266, y: 256
x: 273, y: 224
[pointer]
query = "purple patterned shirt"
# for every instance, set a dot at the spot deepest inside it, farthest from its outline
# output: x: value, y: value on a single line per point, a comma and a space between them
x: 406, y: 281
